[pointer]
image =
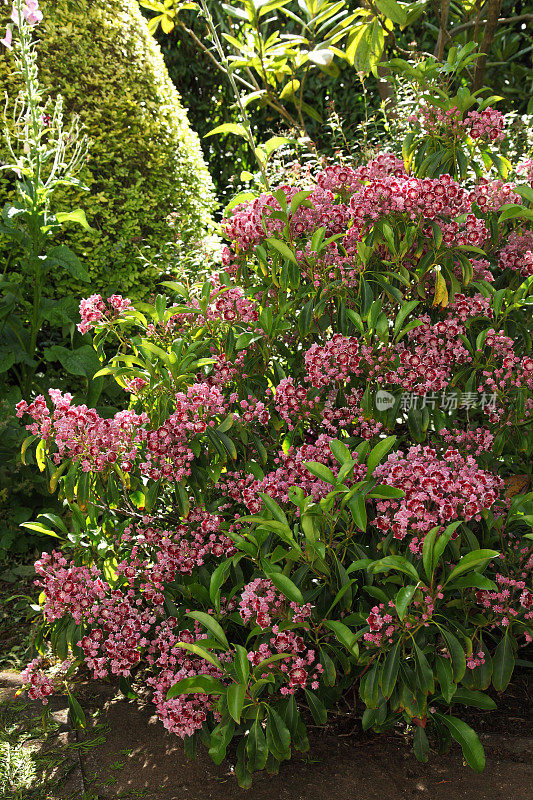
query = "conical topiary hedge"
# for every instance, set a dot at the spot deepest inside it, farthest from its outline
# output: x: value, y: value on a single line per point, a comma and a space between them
x: 145, y: 162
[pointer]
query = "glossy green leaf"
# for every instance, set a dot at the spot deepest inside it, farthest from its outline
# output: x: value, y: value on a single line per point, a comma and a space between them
x: 503, y: 663
x: 196, y: 684
x: 468, y: 739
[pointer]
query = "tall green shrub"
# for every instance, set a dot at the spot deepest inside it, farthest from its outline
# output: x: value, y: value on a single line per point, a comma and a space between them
x: 145, y: 162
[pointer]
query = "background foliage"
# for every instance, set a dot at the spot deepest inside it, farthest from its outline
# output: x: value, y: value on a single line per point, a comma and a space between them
x: 346, y: 104
x: 144, y: 161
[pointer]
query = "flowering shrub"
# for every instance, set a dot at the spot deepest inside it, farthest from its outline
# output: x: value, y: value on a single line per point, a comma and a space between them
x: 317, y: 483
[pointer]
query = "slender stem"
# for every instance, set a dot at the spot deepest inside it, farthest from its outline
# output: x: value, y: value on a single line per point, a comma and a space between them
x: 28, y: 69
x: 443, y: 29
x: 198, y: 42
x: 501, y: 21
x: 244, y: 116
x: 488, y: 38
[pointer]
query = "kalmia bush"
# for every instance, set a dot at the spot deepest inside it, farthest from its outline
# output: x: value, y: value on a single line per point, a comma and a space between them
x: 318, y: 484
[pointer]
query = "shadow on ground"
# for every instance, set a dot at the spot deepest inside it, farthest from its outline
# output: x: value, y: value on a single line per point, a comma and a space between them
x: 136, y: 758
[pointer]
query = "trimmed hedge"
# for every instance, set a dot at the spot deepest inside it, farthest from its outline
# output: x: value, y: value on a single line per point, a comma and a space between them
x: 145, y: 162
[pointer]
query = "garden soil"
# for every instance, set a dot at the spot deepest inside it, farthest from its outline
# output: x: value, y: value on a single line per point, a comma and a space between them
x: 136, y: 758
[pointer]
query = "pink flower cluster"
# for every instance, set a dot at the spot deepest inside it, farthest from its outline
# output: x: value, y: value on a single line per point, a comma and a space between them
x: 361, y: 196
x: 385, y: 624
x: 429, y: 356
x: 157, y: 556
x: 507, y: 371
x: 185, y: 714
x: 341, y: 179
x: 30, y: 11
x: 332, y: 362
x: 476, y: 441
x: 168, y: 453
x: 475, y: 306
x: 512, y: 600
x: 438, y: 490
x: 472, y: 231
x: 81, y: 434
x: 439, y: 121
x: 291, y: 402
x: 488, y: 125
x: 427, y: 198
x: 517, y: 253
x: 525, y: 168
x: 291, y: 471
x: 94, y: 311
x: 260, y: 601
x: 492, y: 195
x: 40, y: 682
x: 299, y: 667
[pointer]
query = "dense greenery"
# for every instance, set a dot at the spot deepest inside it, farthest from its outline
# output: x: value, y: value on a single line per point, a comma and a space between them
x: 144, y: 161
x: 307, y: 475
x: 317, y: 487
x: 345, y: 103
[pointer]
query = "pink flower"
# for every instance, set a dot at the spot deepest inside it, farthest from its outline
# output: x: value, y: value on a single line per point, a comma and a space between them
x: 8, y: 38
x: 31, y: 12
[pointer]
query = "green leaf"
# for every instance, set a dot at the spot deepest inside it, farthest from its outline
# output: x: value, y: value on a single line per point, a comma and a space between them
x: 241, y: 197
x: 317, y: 708
x: 424, y: 673
x: 211, y: 624
x: 344, y: 635
x: 340, y: 451
x: 299, y: 199
x: 503, y: 663
x: 241, y: 664
x: 468, y: 697
x: 236, y: 694
x: 76, y: 712
x: 74, y: 216
x: 475, y: 580
x: 378, y: 453
x: 369, y: 687
x: 256, y: 746
x: 394, y: 563
x: 62, y: 256
x: 321, y: 471
x: 229, y: 127
x: 427, y: 552
x: 444, y: 674
x: 197, y: 684
x: 403, y: 599
x: 457, y: 655
x: 389, y: 672
x: 283, y: 249
x: 386, y: 492
x: 290, y: 89
x: 218, y: 578
x: 512, y: 210
x: 285, y: 586
x: 273, y: 144
x: 392, y: 10
x: 471, y: 560
x: 221, y: 736
x: 468, y: 739
x: 82, y: 361
x: 275, y: 509
x: 357, y: 508
x: 420, y: 744
x: 277, y: 734
x: 524, y: 191
x: 39, y: 528
x: 442, y: 541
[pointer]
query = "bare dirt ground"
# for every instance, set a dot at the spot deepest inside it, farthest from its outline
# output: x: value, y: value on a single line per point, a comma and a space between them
x: 126, y: 753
